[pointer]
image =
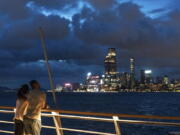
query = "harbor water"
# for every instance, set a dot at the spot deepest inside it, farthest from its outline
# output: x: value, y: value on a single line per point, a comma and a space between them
x: 161, y: 104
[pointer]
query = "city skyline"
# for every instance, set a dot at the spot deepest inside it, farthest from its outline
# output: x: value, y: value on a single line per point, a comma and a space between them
x: 78, y: 33
x: 114, y: 81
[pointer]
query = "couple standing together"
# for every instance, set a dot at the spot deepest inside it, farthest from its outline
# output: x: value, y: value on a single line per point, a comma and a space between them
x: 28, y: 109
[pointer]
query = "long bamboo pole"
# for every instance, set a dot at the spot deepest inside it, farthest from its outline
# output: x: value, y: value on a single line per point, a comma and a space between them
x: 57, y: 120
x: 47, y: 64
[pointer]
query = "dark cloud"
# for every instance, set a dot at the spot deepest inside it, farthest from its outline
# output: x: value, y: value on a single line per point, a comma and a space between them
x: 175, y: 4
x: 29, y: 30
x: 102, y: 4
x: 57, y: 4
x: 130, y: 29
x: 67, y: 4
x: 117, y: 27
x: 15, y: 9
x: 159, y: 10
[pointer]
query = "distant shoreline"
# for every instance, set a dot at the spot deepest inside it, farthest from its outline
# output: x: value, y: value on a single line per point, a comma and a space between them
x: 119, y: 92
x: 14, y: 91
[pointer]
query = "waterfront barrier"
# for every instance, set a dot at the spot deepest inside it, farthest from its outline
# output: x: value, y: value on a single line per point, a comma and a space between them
x: 116, y: 119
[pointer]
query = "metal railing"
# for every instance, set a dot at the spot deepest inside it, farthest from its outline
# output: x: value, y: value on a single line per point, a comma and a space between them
x: 115, y: 119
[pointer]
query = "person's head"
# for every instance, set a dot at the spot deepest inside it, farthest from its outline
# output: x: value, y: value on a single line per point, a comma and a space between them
x: 23, y: 91
x: 35, y: 84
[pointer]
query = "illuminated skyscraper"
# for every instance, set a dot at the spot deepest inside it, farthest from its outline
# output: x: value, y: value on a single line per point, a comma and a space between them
x: 111, y: 79
x: 148, y: 77
x: 142, y: 77
x: 110, y: 62
x: 132, y: 73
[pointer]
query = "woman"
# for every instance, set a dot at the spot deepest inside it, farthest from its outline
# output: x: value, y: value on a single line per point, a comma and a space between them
x: 21, y: 107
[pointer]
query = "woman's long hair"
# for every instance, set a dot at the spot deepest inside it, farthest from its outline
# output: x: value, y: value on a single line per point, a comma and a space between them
x: 23, y: 91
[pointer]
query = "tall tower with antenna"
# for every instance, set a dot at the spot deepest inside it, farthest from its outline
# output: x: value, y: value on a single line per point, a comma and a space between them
x: 132, y: 73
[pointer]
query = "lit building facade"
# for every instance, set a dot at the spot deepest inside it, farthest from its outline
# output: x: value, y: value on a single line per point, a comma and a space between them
x: 110, y: 62
x: 124, y: 79
x: 111, y: 79
x: 165, y: 80
x: 132, y: 73
x: 148, y: 77
x: 93, y: 83
x: 68, y: 87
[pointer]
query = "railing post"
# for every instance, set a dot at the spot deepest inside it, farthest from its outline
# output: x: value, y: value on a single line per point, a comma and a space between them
x: 57, y: 123
x: 116, y: 125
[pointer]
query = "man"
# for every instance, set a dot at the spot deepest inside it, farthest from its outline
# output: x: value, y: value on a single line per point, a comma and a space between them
x: 36, y: 102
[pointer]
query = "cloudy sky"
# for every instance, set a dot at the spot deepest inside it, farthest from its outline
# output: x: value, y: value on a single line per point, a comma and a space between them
x: 78, y: 34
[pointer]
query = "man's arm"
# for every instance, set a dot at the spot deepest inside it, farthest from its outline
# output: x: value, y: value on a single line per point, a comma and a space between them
x: 45, y: 105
